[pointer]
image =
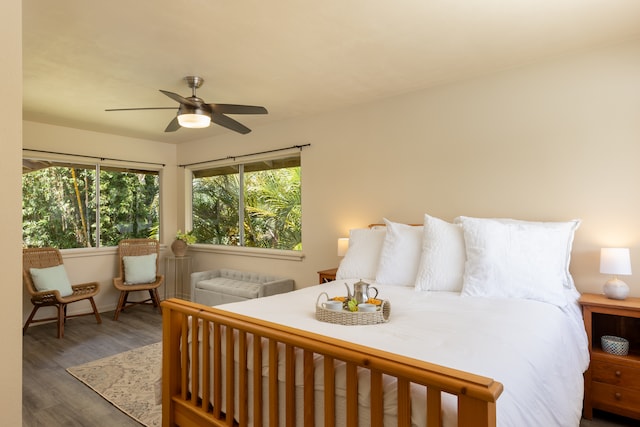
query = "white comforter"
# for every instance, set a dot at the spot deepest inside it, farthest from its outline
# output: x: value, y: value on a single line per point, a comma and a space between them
x: 536, y: 350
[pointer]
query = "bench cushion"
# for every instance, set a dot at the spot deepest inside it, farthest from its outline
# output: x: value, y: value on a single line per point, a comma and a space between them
x: 228, y: 286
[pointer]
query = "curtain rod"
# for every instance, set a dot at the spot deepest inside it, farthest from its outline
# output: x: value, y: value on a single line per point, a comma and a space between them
x: 300, y: 147
x: 93, y: 157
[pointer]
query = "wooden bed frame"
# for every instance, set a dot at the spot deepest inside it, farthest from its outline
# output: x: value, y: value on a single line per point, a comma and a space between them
x: 476, y: 395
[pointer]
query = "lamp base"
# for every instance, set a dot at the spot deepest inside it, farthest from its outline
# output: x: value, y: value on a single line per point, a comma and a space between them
x: 616, y: 289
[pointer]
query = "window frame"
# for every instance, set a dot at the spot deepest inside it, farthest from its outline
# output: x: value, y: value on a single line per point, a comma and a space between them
x: 97, y: 166
x: 190, y: 172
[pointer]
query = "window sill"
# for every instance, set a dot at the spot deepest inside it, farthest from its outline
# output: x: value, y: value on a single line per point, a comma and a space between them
x: 89, y: 252
x: 250, y: 252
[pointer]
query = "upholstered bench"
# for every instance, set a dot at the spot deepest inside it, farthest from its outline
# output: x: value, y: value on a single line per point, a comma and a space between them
x: 221, y: 286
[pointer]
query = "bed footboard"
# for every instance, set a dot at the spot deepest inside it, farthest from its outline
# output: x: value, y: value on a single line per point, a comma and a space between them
x: 244, y: 337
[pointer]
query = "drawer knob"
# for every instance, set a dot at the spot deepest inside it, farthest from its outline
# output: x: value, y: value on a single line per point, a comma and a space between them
x: 618, y: 373
x: 618, y: 396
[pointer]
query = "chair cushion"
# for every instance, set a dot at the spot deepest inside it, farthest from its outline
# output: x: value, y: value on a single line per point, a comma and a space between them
x: 52, y: 279
x: 139, y: 269
x: 227, y: 286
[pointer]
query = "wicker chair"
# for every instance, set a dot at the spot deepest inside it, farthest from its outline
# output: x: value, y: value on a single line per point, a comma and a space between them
x: 137, y: 247
x: 51, y: 257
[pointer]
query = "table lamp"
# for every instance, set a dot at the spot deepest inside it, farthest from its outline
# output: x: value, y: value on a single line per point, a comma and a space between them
x: 615, y: 261
x: 343, y: 245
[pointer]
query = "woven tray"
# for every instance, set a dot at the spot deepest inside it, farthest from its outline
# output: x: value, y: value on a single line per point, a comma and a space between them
x: 346, y: 317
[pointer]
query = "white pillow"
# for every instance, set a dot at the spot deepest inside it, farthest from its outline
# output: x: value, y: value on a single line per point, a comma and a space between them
x: 52, y: 279
x: 361, y: 259
x: 443, y: 256
x: 139, y: 269
x: 400, y: 256
x: 518, y: 259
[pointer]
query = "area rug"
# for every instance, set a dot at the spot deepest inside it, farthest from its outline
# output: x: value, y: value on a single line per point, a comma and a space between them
x: 130, y: 381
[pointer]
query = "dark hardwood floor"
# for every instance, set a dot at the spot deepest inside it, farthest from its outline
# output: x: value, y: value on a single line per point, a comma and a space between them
x: 51, y: 397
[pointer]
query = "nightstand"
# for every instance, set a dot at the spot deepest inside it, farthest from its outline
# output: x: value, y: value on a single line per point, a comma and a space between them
x: 612, y: 383
x: 329, y: 275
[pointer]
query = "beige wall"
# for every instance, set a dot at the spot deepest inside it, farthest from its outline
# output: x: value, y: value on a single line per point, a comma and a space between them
x: 552, y: 141
x: 10, y: 141
x: 101, y: 264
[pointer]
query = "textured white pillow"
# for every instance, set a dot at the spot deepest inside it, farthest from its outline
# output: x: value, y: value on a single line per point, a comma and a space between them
x: 363, y: 254
x: 400, y: 256
x: 518, y: 259
x: 443, y: 256
x: 52, y: 279
x: 139, y: 269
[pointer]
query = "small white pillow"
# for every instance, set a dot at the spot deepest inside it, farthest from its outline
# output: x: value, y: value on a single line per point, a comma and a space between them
x: 443, y: 256
x: 139, y: 269
x: 518, y: 259
x: 361, y: 259
x: 52, y: 279
x: 400, y: 256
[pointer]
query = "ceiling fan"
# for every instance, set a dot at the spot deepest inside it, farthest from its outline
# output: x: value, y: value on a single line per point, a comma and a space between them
x: 193, y: 112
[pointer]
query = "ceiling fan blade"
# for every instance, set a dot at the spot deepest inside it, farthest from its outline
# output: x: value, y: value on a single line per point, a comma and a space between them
x: 237, y: 109
x: 173, y: 125
x: 180, y: 99
x: 141, y: 108
x: 229, y: 123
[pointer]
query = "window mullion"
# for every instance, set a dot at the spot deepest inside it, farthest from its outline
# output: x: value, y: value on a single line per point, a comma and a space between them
x: 241, y: 203
x: 97, y: 181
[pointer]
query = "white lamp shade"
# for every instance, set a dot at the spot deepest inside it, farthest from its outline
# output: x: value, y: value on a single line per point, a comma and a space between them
x: 616, y: 261
x: 195, y: 121
x: 343, y: 245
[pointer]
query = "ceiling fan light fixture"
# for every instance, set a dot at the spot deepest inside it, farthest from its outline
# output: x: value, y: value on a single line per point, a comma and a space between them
x: 194, y: 121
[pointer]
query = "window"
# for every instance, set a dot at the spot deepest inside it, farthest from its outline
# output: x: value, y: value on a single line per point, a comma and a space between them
x: 255, y: 204
x: 68, y: 205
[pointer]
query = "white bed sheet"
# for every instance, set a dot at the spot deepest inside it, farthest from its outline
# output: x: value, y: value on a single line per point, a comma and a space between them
x: 536, y: 350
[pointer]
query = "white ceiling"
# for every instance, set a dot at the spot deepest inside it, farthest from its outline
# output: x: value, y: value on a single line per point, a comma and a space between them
x: 295, y: 57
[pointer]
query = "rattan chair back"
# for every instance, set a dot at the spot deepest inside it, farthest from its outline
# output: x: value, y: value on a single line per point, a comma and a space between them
x: 38, y: 258
x: 137, y: 247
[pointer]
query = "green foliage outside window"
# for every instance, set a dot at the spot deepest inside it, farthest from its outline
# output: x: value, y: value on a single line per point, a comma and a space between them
x: 271, y: 213
x: 59, y: 204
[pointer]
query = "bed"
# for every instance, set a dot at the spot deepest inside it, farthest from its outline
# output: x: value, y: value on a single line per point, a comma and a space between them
x: 454, y: 352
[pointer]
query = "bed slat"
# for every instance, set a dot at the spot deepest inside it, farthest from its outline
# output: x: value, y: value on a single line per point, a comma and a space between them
x: 404, y: 403
x: 206, y: 366
x: 217, y: 371
x: 352, y: 394
x: 309, y: 389
x: 257, y: 380
x: 195, y: 365
x: 377, y: 399
x: 243, y: 406
x: 290, y: 386
x: 229, y: 389
x: 434, y: 403
x: 273, y: 383
x: 184, y: 357
x: 329, y: 392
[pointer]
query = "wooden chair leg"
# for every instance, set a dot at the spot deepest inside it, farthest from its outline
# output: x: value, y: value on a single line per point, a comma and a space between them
x: 95, y: 310
x: 30, y: 319
x: 121, y: 302
x: 61, y: 319
x: 156, y: 298
x: 153, y: 294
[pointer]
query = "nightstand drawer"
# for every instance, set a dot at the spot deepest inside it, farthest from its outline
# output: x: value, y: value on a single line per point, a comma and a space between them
x: 613, y: 398
x: 614, y: 374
